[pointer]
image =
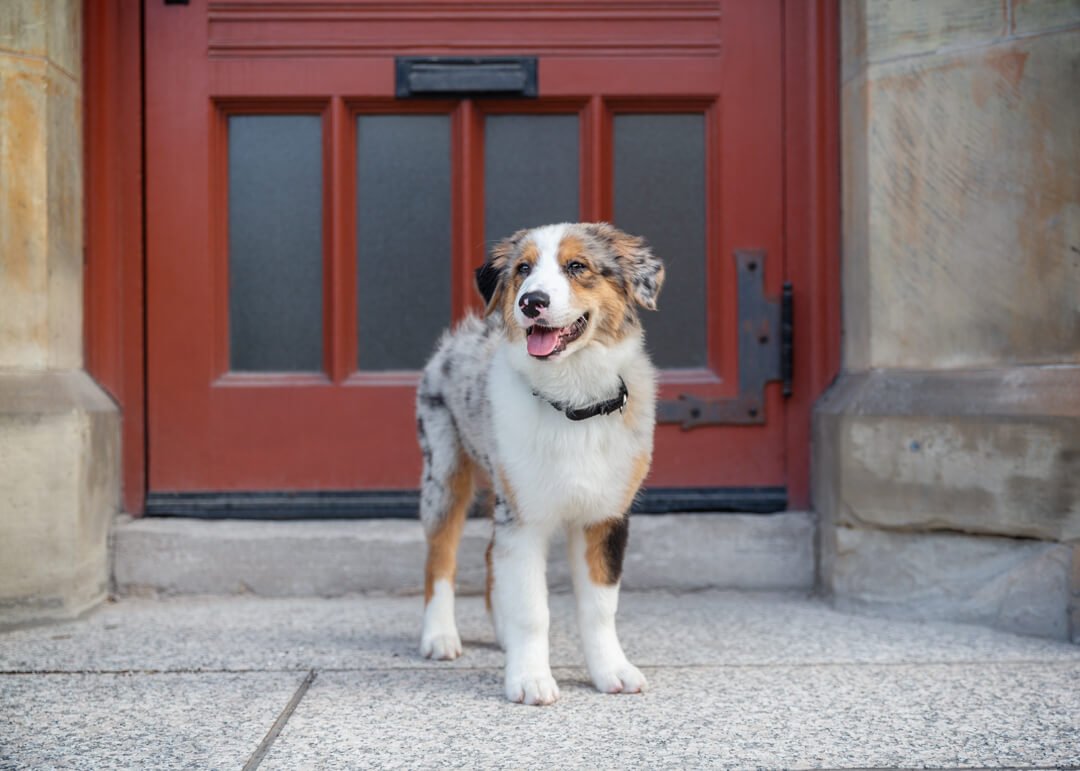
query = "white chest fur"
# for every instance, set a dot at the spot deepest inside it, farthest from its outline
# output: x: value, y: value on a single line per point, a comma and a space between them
x: 560, y: 470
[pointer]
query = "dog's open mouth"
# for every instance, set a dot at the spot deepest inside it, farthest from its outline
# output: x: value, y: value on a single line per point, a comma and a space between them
x: 544, y: 342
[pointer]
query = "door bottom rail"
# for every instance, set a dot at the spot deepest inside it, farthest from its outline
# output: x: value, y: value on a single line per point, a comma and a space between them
x: 403, y: 504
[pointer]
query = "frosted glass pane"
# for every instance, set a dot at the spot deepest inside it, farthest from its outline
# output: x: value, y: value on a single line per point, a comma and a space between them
x: 403, y: 238
x: 275, y: 243
x: 530, y: 172
x: 660, y: 194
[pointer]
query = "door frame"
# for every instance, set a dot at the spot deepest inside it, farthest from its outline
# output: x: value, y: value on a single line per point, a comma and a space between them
x: 114, y: 165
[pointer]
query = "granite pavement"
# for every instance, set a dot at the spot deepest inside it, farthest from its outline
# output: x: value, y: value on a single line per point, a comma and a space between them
x: 738, y: 680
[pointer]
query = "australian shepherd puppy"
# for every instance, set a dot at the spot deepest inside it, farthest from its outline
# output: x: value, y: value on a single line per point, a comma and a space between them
x: 553, y: 397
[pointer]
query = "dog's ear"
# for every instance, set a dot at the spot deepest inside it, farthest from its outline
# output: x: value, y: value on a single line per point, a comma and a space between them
x: 643, y: 273
x: 487, y: 281
x: 491, y: 276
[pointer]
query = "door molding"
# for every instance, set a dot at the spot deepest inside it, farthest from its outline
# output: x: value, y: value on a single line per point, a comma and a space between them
x: 115, y: 311
x: 811, y: 217
x: 113, y: 308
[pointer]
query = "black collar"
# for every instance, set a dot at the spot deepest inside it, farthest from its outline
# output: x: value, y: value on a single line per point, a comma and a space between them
x: 600, y: 408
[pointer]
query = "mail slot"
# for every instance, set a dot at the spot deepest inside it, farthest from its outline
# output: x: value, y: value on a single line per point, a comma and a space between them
x: 463, y: 76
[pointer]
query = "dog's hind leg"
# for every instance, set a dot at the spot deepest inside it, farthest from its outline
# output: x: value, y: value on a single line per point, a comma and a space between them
x: 446, y: 493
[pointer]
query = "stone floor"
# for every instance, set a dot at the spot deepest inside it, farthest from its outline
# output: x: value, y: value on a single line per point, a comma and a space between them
x: 737, y: 680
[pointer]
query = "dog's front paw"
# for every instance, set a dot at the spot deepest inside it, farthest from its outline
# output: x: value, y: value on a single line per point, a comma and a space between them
x: 532, y: 689
x: 441, y: 645
x: 621, y: 678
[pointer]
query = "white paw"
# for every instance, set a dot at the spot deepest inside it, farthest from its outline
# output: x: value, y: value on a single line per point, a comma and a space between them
x: 624, y: 678
x: 442, y: 646
x: 532, y: 689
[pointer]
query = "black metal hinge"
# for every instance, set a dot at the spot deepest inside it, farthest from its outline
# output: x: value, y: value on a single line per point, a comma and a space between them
x: 765, y: 354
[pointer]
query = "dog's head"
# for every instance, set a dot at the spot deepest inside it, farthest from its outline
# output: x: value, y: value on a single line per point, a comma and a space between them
x: 559, y: 288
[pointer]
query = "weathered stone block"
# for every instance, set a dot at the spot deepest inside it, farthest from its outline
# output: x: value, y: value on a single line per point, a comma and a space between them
x: 23, y: 226
x: 21, y: 29
x: 892, y: 29
x: 852, y: 38
x: 41, y: 230
x: 987, y: 451
x: 1018, y: 586
x: 1038, y: 15
x: 45, y: 29
x: 961, y: 239
x: 855, y: 213
x: 969, y: 173
x: 882, y: 30
x: 59, y: 491
x: 64, y: 178
x: 64, y: 34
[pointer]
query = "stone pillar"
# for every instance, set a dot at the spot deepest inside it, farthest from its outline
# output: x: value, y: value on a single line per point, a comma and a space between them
x: 947, y: 457
x: 59, y: 433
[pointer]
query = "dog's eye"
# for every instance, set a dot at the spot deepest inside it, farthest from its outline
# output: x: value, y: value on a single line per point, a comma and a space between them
x: 524, y: 268
x: 575, y: 268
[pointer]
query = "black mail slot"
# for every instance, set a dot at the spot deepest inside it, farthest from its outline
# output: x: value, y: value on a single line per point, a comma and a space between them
x: 462, y: 76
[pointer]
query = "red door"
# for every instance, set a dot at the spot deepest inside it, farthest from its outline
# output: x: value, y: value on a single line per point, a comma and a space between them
x: 309, y: 233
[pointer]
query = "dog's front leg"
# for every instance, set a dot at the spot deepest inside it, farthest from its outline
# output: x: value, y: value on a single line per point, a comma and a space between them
x: 519, y: 601
x: 596, y: 557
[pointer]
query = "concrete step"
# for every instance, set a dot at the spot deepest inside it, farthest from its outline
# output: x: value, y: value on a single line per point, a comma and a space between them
x: 329, y: 558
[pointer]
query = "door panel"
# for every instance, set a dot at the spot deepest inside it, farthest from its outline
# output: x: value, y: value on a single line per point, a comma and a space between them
x: 540, y: 148
x: 308, y: 235
x: 666, y: 152
x: 403, y: 237
x: 275, y: 243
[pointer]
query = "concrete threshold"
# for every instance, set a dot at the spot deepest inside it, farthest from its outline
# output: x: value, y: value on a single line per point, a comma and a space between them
x: 330, y: 558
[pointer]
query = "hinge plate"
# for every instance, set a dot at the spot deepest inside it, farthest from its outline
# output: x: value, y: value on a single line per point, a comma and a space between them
x: 765, y: 354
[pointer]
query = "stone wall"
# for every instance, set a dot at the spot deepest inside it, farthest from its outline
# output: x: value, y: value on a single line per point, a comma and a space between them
x: 947, y: 458
x: 58, y: 431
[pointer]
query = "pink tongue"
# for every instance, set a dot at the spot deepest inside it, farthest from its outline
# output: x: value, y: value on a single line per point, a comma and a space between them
x: 542, y: 342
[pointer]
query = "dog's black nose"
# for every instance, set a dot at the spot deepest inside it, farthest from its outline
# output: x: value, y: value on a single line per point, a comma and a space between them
x: 532, y: 302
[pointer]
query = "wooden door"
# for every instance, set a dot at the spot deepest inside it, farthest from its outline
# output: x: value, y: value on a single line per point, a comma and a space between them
x: 309, y: 233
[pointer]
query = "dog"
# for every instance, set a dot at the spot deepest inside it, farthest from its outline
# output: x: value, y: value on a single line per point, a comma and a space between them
x: 552, y: 396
